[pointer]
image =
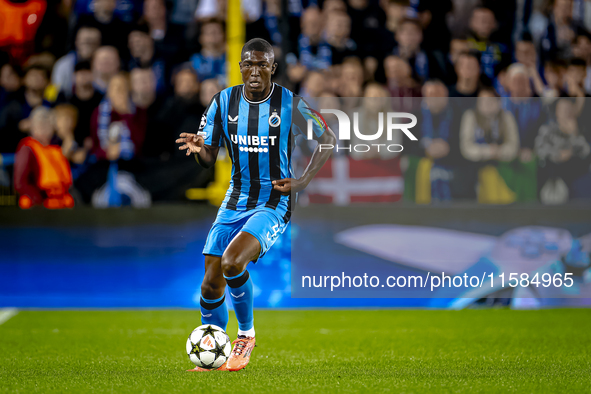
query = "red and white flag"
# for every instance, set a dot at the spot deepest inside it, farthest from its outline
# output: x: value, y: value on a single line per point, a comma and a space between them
x: 343, y: 180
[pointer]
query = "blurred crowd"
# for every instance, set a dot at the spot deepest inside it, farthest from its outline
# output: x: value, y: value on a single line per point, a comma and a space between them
x: 113, y: 82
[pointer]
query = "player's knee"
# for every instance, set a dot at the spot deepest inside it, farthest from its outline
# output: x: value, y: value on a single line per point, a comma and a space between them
x: 231, y: 264
x: 212, y: 290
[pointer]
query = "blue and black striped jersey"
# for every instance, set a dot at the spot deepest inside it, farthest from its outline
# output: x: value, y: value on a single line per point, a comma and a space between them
x: 259, y: 139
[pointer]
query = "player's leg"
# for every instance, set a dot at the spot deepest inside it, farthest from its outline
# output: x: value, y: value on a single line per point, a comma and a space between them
x: 258, y: 234
x: 243, y: 249
x: 213, y: 300
x: 213, y: 288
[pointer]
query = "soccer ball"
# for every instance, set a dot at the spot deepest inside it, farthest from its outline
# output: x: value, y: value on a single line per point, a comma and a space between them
x: 208, y: 346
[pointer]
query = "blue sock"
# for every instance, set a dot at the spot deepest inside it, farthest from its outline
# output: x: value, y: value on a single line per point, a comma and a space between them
x: 242, y: 295
x: 214, y: 312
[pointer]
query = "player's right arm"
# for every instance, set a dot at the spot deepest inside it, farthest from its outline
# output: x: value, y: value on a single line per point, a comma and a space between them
x: 206, y: 143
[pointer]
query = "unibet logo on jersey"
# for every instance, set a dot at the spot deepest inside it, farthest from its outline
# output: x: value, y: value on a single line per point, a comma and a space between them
x: 253, y: 143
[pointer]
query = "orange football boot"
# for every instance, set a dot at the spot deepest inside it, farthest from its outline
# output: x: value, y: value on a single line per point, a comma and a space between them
x: 199, y: 369
x: 240, y: 355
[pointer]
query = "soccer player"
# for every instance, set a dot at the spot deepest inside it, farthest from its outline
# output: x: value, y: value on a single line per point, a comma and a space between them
x: 257, y: 122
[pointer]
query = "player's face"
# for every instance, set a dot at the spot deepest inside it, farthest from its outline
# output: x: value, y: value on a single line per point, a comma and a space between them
x: 256, y: 68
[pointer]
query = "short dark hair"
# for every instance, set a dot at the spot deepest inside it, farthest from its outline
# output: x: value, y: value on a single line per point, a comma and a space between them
x: 141, y: 27
x: 472, y: 53
x: 15, y: 68
x: 526, y: 36
x: 489, y: 89
x: 583, y: 33
x: 38, y: 67
x: 410, y: 20
x: 484, y: 8
x: 187, y: 66
x: 503, y: 65
x: 259, y: 45
x: 555, y: 64
x: 577, y: 62
x: 83, y: 65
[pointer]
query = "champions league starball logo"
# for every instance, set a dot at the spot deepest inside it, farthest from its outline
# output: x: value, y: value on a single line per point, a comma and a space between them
x: 392, y: 120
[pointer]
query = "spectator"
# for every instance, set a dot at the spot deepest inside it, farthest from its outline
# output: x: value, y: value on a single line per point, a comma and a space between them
x: 180, y: 113
x: 66, y: 119
x: 143, y: 87
x: 556, y: 42
x: 468, y: 72
x: 432, y: 15
x: 14, y: 120
x: 143, y: 55
x: 143, y: 95
x: 10, y: 83
x: 576, y: 74
x: 351, y: 78
x: 172, y: 174
x: 400, y: 83
x: 113, y: 30
x: 52, y: 34
x: 501, y: 82
x: 117, y: 127
x: 366, y: 19
x: 409, y: 36
x: 336, y: 34
x: 433, y: 171
x: 529, y: 115
x: 41, y: 172
x: 436, y: 121
x: 457, y: 47
x: 88, y: 40
x: 396, y: 11
x: 313, y: 51
x: 525, y: 52
x: 313, y: 85
x: 117, y: 130
x: 489, y: 137
x: 105, y: 64
x: 373, y: 106
x: 482, y: 25
x: 19, y: 22
x: 563, y: 154
x: 526, y: 109
x: 582, y: 50
x: 209, y: 88
x: 211, y: 61
x: 333, y: 6
x: 554, y: 74
x: 488, y: 133
x: 183, y: 11
x: 168, y: 38
x: 126, y: 10
x: 85, y: 99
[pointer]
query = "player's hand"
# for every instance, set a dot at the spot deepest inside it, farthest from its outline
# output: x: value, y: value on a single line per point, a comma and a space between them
x: 191, y: 142
x: 288, y: 185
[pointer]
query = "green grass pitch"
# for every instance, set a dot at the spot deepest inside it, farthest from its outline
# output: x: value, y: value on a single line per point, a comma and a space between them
x: 303, y: 351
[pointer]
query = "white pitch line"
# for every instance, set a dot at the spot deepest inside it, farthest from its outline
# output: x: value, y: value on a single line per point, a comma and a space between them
x: 7, y: 313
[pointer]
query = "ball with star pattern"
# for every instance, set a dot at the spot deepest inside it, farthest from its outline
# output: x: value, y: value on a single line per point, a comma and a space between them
x: 208, y: 346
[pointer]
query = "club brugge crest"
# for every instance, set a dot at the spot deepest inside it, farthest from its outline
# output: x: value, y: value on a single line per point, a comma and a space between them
x: 274, y: 119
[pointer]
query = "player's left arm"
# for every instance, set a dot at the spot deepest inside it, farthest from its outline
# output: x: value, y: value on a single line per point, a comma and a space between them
x: 319, y: 157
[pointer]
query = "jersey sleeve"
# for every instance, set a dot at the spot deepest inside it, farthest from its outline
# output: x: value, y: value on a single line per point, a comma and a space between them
x: 211, y: 127
x: 304, y: 114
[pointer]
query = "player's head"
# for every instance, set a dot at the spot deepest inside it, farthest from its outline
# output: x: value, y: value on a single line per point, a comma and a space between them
x: 257, y: 65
